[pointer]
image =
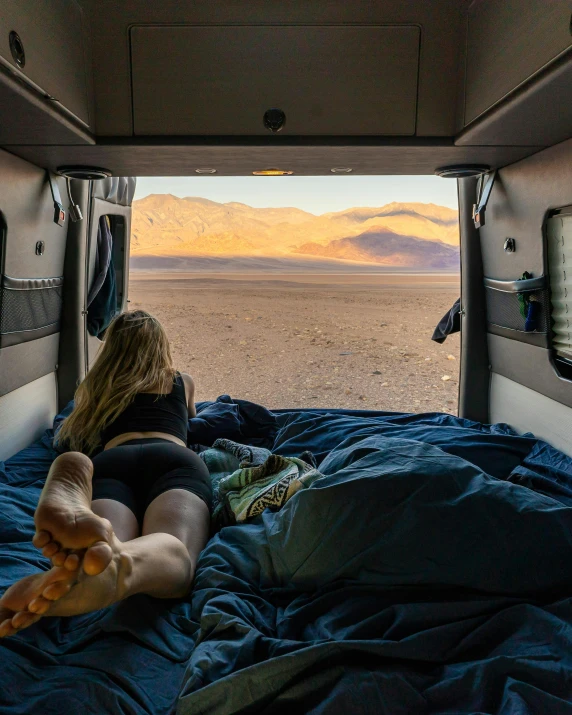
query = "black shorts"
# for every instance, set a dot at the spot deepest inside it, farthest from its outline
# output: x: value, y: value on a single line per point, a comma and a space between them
x: 136, y: 472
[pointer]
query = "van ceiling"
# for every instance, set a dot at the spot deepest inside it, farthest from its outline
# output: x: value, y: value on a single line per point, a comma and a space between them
x: 392, y: 87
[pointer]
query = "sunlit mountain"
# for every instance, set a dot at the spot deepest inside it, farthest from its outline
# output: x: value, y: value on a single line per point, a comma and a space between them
x: 166, y: 230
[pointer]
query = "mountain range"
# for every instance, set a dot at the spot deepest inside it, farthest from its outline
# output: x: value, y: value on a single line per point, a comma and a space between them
x: 412, y: 235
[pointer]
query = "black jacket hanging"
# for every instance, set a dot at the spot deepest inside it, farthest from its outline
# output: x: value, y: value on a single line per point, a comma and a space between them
x: 449, y: 323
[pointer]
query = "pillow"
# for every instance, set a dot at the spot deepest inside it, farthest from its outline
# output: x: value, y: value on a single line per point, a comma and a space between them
x: 239, y: 420
x: 214, y: 420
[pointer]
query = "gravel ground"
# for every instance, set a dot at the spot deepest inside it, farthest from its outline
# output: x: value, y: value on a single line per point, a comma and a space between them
x: 358, y: 342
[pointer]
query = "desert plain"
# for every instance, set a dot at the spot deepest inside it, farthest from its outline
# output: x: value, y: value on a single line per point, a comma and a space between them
x: 328, y: 340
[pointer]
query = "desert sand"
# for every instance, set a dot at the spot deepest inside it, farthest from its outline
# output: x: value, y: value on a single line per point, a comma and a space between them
x: 350, y: 341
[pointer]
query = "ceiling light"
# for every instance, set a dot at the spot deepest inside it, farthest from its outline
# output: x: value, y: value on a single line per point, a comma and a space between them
x: 341, y: 170
x: 272, y: 172
x: 461, y: 171
x: 85, y: 173
x: 205, y: 171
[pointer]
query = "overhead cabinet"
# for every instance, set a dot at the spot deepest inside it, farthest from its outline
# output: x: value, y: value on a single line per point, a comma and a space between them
x: 328, y: 80
x: 44, y: 65
x: 509, y: 42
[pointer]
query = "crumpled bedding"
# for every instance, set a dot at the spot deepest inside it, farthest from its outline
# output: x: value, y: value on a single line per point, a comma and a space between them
x: 428, y: 572
x: 408, y: 580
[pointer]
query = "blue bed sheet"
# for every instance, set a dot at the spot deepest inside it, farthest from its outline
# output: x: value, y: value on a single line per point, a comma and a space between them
x: 427, y: 572
x: 129, y: 659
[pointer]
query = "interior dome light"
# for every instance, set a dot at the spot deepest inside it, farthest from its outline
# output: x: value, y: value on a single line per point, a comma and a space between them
x: 341, y: 170
x: 462, y: 171
x: 272, y: 172
x: 205, y: 171
x: 84, y: 173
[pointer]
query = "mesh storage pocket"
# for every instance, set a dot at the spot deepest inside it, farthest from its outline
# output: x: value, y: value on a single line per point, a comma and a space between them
x: 522, y: 305
x: 29, y: 308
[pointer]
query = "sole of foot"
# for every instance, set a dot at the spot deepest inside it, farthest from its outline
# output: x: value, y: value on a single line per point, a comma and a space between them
x: 64, y: 520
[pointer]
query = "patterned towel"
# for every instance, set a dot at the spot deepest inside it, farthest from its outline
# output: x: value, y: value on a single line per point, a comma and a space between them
x: 248, y: 456
x: 247, y: 492
x: 220, y: 464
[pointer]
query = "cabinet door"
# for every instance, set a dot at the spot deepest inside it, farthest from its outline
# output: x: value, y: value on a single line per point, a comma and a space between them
x: 54, y: 43
x: 509, y: 41
x: 207, y: 80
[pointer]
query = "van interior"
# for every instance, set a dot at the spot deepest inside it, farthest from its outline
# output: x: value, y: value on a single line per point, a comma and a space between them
x: 427, y: 570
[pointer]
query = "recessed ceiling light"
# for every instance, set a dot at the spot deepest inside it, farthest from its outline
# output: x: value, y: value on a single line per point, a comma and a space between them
x: 205, y: 171
x: 341, y: 170
x: 272, y: 172
x: 461, y: 171
x: 85, y: 173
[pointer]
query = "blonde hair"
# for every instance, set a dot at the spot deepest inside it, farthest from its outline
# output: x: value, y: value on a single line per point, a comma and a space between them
x: 134, y: 358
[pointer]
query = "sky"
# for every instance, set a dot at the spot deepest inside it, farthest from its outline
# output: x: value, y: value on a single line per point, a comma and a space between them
x: 316, y: 194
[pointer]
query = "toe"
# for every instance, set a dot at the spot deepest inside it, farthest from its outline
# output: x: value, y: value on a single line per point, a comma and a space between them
x: 23, y: 619
x: 50, y: 549
x: 72, y: 562
x: 60, y: 557
x: 97, y: 558
x: 41, y: 538
x: 6, y: 628
x: 39, y: 605
x: 57, y: 590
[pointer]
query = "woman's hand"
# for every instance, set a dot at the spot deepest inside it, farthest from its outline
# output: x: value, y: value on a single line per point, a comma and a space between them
x: 190, y: 393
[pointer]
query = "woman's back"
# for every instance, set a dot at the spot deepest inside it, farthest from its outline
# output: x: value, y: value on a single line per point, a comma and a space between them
x: 132, y: 391
x: 153, y: 414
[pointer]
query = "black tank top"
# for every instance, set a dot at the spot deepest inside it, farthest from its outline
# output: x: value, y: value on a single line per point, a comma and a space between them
x: 153, y: 413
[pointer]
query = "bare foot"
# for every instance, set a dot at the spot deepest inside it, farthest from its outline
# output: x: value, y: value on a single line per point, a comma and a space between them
x: 64, y: 520
x: 61, y: 592
x: 45, y: 588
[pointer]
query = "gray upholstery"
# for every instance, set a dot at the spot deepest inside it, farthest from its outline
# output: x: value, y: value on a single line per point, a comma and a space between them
x: 23, y: 363
x: 25, y: 413
x: 529, y: 411
x: 529, y: 365
x: 27, y: 210
x: 521, y: 199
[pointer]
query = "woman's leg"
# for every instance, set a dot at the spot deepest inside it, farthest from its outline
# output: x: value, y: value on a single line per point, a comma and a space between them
x: 183, y: 515
x: 160, y: 563
x: 123, y: 520
x: 115, y: 480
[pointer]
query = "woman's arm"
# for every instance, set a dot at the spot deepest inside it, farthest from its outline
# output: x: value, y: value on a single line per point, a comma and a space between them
x: 190, y: 393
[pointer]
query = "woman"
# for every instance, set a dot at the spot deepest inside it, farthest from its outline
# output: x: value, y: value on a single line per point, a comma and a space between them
x: 136, y: 516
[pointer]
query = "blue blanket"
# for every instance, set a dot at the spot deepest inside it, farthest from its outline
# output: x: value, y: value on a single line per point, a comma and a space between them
x: 427, y: 572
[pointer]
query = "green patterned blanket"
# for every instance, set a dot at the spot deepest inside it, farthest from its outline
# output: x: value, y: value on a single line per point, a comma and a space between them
x: 248, y: 491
